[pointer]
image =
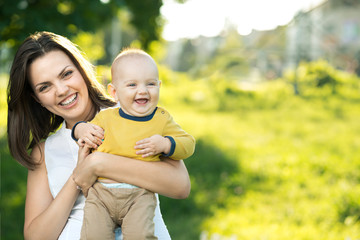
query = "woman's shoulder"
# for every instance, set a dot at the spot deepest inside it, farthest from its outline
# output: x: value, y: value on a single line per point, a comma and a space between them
x: 58, y: 140
x: 37, y: 153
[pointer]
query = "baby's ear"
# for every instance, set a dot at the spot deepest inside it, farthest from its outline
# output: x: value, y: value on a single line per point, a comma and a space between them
x: 112, y: 91
x: 159, y: 83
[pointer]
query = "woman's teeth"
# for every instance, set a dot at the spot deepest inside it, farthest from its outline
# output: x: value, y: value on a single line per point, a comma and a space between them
x: 68, y: 100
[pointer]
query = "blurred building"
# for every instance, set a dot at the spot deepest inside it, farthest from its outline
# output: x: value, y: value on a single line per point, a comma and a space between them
x: 330, y: 31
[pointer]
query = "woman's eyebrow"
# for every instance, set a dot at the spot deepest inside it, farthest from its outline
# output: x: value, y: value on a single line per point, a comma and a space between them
x: 62, y: 71
x: 59, y: 76
x: 42, y: 83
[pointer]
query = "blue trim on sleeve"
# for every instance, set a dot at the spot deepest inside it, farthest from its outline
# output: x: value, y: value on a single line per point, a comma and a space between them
x: 73, y: 130
x: 138, y: 119
x: 172, y: 148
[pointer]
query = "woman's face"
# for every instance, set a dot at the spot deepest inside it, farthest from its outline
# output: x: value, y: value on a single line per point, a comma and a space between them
x: 60, y: 88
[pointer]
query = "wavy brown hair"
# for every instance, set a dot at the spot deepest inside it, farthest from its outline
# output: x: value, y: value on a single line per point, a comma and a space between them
x: 28, y: 122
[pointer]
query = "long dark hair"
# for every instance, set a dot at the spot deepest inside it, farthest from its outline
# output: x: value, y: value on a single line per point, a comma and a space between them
x: 28, y: 122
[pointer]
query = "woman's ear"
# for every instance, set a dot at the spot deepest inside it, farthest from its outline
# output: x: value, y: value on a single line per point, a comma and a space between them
x: 112, y: 91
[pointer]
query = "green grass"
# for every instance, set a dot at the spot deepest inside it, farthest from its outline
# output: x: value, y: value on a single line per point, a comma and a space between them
x: 284, y: 168
x: 13, y: 180
x: 268, y: 165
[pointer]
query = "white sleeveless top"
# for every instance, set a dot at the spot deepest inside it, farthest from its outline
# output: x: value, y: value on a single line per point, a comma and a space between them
x: 61, y: 153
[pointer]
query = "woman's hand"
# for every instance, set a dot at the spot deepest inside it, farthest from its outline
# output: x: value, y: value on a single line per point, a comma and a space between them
x: 84, y: 173
x: 167, y: 177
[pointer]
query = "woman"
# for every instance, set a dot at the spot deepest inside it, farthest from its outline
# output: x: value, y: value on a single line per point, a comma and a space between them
x: 51, y: 85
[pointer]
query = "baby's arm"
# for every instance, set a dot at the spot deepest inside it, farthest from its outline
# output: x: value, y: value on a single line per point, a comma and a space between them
x: 182, y: 143
x: 174, y: 143
x: 88, y: 133
x: 153, y: 145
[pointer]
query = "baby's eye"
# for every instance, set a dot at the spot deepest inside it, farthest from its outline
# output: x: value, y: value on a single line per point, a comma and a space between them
x: 131, y: 85
x: 152, y: 84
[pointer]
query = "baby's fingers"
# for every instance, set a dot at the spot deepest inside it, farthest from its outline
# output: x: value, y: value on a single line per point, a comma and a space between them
x: 96, y: 127
x: 97, y: 131
x: 80, y: 142
x: 143, y: 141
x: 145, y: 152
x: 91, y: 142
x: 99, y: 134
x: 92, y: 138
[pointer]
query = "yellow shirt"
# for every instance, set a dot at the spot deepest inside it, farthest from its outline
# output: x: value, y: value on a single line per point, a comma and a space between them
x: 122, y: 131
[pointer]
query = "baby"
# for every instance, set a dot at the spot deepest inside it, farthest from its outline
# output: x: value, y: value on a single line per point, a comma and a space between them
x: 137, y: 129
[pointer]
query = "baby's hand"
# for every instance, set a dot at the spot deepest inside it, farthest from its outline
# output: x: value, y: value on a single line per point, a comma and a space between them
x: 90, y: 134
x: 153, y: 145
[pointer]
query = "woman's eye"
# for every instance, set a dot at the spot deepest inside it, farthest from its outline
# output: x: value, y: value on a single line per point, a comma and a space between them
x: 43, y: 88
x: 68, y: 73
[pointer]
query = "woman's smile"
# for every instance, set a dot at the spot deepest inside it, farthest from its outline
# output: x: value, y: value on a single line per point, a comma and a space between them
x: 69, y: 101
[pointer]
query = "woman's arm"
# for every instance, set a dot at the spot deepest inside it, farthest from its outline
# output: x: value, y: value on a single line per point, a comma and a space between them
x: 45, y: 217
x: 167, y: 177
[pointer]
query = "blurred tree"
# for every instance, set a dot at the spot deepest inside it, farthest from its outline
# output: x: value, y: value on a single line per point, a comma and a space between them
x: 91, y: 44
x: 146, y: 19
x: 230, y: 59
x: 20, y: 18
x: 116, y: 35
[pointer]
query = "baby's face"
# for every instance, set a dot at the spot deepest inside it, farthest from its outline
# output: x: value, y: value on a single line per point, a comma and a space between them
x: 137, y: 85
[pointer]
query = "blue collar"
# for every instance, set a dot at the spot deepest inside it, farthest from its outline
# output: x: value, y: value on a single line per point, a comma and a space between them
x: 138, y: 119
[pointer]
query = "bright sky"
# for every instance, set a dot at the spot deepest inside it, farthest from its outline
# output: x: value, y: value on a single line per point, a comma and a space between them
x: 208, y: 17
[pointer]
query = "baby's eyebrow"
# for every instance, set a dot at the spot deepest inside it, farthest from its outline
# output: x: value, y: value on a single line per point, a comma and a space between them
x: 129, y: 81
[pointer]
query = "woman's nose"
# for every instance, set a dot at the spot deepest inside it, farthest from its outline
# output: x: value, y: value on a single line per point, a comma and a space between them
x: 61, y: 89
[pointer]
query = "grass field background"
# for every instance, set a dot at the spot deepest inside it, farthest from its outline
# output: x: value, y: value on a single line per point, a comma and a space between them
x: 268, y: 164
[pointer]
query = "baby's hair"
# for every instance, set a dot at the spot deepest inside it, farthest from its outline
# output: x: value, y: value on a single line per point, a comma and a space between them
x: 129, y: 52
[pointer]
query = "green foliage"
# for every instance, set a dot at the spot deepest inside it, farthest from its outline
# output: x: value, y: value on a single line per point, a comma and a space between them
x: 146, y: 19
x: 288, y: 164
x: 13, y: 189
x: 320, y: 78
x: 91, y: 44
x: 20, y: 18
x: 348, y: 207
x: 13, y: 180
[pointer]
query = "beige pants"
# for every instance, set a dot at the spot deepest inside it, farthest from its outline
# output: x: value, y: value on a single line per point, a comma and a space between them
x: 131, y: 208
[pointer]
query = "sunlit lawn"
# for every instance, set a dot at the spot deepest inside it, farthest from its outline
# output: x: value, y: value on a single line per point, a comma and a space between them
x: 287, y: 170
x: 264, y: 168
